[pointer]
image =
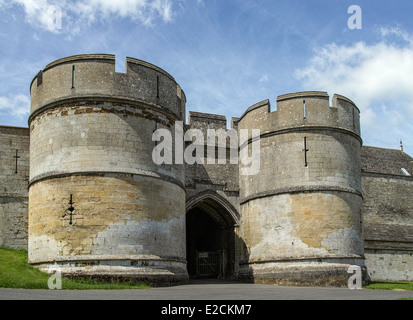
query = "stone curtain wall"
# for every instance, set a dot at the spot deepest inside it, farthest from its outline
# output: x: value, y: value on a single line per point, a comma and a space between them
x: 14, y: 187
x: 388, y: 215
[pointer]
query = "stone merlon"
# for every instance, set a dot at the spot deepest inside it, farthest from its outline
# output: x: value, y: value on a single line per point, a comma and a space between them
x: 303, y: 109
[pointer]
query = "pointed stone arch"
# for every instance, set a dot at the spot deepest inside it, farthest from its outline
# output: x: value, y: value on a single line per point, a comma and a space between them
x: 212, y: 226
x: 214, y: 204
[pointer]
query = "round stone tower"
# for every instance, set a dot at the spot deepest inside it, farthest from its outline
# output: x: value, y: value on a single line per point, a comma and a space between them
x: 301, y: 214
x: 98, y: 204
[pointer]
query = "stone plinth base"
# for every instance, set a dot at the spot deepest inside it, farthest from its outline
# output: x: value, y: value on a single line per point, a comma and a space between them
x: 151, y: 273
x: 315, y: 274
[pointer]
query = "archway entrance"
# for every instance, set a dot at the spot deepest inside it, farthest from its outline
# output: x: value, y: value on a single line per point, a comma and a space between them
x: 210, y: 237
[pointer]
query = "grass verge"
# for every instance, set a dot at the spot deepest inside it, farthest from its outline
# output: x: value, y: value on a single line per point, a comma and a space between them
x: 387, y: 285
x: 394, y: 286
x: 16, y: 273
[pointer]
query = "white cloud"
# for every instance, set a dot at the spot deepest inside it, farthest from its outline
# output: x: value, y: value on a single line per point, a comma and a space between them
x: 397, y: 32
x: 377, y: 77
x: 144, y: 11
x: 367, y: 72
x: 42, y: 13
x: 37, y: 12
x: 16, y: 106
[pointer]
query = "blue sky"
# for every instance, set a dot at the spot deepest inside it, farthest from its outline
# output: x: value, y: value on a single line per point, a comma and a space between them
x: 228, y: 54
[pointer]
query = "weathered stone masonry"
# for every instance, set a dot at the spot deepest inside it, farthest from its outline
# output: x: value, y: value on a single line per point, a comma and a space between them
x: 91, y: 131
x: 301, y: 214
x: 14, y: 179
x: 388, y: 213
x: 319, y: 203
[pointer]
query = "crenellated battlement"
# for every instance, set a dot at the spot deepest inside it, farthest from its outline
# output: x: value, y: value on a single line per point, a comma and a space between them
x: 93, y: 76
x: 205, y: 121
x: 303, y: 109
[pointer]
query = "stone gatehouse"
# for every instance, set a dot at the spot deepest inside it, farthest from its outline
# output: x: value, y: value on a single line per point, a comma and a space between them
x: 80, y: 189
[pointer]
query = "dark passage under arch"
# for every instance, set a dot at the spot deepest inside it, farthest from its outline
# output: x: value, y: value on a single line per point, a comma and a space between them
x: 210, y: 238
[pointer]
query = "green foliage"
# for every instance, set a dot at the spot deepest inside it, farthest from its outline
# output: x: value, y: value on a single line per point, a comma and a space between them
x: 16, y: 273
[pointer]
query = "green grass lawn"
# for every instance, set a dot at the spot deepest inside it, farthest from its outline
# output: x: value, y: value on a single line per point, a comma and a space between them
x: 16, y: 273
x: 387, y: 285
